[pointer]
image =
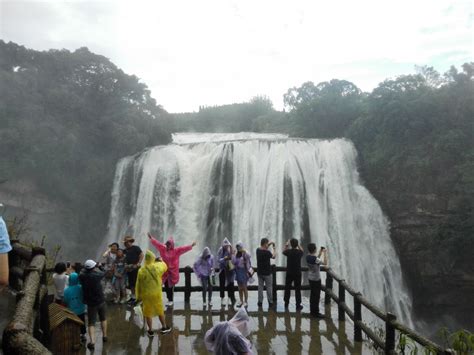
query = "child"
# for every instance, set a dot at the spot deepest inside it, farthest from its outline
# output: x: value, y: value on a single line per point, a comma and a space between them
x: 73, y: 299
x: 119, y: 278
x: 203, y: 268
x: 60, y: 279
x: 242, y: 273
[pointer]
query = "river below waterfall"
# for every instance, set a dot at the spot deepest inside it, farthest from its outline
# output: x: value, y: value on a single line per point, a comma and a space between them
x: 246, y: 186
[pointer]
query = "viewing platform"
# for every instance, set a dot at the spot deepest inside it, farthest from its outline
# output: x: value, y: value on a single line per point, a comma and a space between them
x: 277, y: 331
x: 352, y: 324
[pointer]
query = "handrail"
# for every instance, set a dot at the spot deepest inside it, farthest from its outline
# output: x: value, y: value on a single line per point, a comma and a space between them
x: 391, y: 323
x: 18, y: 335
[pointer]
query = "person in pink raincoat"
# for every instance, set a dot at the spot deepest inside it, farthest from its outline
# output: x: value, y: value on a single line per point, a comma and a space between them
x: 170, y: 255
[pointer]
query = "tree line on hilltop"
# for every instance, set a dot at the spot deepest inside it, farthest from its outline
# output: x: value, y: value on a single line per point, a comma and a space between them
x: 67, y: 117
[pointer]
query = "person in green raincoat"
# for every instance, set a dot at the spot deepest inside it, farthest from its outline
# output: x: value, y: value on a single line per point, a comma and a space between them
x: 148, y: 291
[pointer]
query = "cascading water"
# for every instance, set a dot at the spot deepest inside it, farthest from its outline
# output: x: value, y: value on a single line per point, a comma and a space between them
x: 247, y: 186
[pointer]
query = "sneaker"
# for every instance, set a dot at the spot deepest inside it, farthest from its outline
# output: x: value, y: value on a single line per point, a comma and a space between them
x: 319, y: 315
x: 259, y: 304
x: 91, y: 346
x: 169, y: 304
x: 239, y: 304
x: 150, y: 334
x: 132, y: 302
x: 165, y: 330
x: 209, y: 303
x: 104, y: 339
x: 299, y: 307
x: 223, y: 302
x: 204, y: 304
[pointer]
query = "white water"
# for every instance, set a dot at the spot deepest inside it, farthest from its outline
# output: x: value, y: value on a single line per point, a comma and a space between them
x: 248, y: 186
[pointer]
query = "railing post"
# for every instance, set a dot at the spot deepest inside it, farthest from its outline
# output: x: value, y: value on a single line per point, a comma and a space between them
x: 274, y: 284
x: 187, y: 284
x: 327, y: 297
x: 390, y: 334
x: 342, y: 300
x: 357, y: 318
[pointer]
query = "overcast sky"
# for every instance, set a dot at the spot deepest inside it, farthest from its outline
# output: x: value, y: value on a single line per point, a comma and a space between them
x: 202, y: 52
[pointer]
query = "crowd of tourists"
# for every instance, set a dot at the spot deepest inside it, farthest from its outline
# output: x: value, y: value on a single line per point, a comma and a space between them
x: 145, y: 275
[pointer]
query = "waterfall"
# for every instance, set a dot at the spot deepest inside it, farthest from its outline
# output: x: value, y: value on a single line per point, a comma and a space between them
x: 246, y: 186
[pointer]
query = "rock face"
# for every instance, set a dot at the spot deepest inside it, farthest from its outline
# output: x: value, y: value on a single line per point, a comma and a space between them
x: 432, y: 233
x: 44, y: 216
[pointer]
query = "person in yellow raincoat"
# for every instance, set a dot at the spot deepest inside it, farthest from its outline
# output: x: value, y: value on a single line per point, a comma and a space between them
x: 148, y: 290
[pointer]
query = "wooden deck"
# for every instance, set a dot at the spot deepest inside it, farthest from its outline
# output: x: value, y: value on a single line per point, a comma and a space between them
x: 277, y: 331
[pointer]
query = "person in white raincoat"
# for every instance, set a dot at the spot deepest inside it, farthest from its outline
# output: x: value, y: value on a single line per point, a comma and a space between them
x: 229, y: 338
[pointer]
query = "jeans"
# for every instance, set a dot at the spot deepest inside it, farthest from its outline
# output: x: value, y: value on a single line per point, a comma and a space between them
x: 206, y: 287
x: 268, y: 281
x: 290, y: 279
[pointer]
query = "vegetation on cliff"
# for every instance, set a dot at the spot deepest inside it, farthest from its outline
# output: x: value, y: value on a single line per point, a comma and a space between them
x: 415, y: 138
x: 65, y: 119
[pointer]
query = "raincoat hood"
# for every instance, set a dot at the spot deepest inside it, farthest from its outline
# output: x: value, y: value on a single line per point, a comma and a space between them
x: 229, y: 337
x: 240, y: 245
x: 241, y: 321
x: 149, y: 257
x: 226, y: 242
x: 170, y: 241
x: 73, y: 279
x: 205, y: 252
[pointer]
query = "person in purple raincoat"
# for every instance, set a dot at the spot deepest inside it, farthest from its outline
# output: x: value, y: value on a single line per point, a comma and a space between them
x: 225, y: 255
x: 243, y: 272
x: 204, y: 270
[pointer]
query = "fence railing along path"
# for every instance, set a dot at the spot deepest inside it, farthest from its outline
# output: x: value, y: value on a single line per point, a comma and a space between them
x: 391, y: 324
x: 28, y: 331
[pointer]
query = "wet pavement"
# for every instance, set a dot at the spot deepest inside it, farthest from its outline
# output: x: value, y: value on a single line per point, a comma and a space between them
x: 277, y: 331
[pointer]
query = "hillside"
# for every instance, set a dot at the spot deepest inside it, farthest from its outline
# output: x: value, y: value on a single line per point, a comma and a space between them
x: 65, y: 119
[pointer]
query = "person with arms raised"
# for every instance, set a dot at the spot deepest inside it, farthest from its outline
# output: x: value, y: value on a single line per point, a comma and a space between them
x: 170, y: 255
